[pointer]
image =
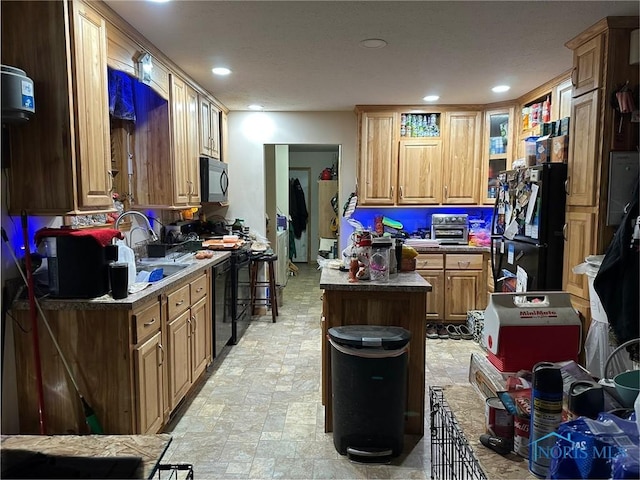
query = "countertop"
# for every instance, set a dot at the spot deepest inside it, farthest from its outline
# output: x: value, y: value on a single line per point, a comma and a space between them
x: 149, y: 448
x: 468, y: 408
x: 452, y: 249
x: 133, y: 300
x: 332, y: 279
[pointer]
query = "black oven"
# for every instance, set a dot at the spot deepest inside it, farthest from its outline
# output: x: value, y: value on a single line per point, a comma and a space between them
x: 240, y: 291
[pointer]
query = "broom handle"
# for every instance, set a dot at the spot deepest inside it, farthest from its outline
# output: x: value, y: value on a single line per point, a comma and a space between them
x: 44, y: 319
x: 34, y: 323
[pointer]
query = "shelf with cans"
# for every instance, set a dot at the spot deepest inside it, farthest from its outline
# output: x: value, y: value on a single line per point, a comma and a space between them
x: 419, y: 125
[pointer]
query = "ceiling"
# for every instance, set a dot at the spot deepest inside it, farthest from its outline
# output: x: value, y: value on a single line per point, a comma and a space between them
x: 305, y: 55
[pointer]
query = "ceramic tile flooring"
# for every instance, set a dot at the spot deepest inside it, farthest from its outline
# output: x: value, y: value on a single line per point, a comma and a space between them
x: 258, y: 414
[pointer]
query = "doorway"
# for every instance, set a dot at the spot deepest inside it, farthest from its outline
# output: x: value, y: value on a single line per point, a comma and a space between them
x: 299, y: 249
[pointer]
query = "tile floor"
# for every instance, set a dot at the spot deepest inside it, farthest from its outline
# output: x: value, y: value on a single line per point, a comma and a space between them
x: 258, y: 414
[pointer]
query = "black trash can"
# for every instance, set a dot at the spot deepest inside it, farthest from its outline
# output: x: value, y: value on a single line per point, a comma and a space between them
x: 369, y: 390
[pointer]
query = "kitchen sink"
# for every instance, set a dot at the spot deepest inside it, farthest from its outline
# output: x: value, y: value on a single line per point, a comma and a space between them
x: 169, y: 268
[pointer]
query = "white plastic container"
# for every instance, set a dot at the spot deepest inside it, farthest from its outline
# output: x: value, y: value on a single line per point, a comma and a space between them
x: 126, y: 255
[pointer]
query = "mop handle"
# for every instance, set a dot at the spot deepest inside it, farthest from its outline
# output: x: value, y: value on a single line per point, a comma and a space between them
x: 34, y: 322
x: 44, y: 319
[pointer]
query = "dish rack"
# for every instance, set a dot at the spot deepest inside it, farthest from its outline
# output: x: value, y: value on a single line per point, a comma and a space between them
x: 451, y: 455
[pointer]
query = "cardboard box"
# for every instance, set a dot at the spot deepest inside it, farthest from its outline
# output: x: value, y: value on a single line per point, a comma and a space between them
x: 543, y: 150
x: 564, y: 127
x: 486, y: 378
x: 560, y: 149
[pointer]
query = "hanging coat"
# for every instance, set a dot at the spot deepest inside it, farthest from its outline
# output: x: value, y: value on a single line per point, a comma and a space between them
x: 616, y: 282
x: 297, y: 207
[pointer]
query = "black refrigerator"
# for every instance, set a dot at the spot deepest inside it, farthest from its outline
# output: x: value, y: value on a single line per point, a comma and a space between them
x: 527, y: 239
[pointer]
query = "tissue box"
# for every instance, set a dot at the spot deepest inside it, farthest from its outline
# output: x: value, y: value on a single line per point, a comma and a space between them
x: 560, y: 149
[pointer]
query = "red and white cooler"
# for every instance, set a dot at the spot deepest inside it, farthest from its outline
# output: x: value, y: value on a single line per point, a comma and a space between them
x: 522, y: 329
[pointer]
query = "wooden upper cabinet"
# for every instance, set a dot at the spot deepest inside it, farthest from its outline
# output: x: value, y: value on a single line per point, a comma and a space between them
x: 60, y: 159
x: 122, y: 52
x: 461, y: 164
x: 497, y: 152
x: 184, y: 120
x: 587, y: 66
x: 209, y: 128
x: 378, y: 167
x: 420, y: 172
x: 583, y: 150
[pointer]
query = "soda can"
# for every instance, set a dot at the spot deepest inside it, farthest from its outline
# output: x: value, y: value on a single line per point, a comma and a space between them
x: 521, y: 435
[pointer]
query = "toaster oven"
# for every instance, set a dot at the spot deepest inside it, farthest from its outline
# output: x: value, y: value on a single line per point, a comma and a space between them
x: 450, y: 229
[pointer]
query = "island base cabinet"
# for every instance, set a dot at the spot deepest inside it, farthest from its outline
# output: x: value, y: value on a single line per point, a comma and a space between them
x: 401, y: 309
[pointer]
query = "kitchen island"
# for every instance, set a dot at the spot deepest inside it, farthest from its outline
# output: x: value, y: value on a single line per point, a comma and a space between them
x: 402, y: 302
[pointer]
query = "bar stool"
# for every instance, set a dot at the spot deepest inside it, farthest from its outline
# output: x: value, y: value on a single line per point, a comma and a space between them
x: 268, y: 261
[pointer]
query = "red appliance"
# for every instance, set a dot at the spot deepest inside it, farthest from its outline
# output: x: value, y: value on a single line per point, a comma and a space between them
x: 522, y: 329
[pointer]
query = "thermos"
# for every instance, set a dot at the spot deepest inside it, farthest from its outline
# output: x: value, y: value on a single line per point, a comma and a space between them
x: 546, y: 415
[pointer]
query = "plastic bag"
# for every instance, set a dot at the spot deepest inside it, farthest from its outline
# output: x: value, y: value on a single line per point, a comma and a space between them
x: 602, y: 448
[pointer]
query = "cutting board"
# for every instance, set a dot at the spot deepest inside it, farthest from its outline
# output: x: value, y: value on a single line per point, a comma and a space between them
x: 218, y: 244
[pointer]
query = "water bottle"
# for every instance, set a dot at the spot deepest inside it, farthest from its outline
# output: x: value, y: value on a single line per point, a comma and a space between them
x: 546, y: 415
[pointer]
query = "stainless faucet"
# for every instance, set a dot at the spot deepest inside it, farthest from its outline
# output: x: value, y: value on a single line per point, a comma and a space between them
x: 152, y: 234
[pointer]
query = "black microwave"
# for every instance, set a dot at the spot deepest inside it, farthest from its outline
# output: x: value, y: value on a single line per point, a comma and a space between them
x: 214, y: 181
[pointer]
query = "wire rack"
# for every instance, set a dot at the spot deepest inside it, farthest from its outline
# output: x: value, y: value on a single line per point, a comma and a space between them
x: 451, y: 456
x: 174, y: 471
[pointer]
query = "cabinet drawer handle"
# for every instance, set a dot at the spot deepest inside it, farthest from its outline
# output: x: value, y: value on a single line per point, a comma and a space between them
x: 150, y: 322
x: 198, y: 290
x: 462, y: 264
x: 179, y: 303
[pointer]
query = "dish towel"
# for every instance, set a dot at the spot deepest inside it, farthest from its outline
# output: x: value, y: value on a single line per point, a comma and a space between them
x: 101, y: 235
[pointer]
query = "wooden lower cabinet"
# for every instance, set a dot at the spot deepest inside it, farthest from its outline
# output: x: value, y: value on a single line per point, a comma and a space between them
x: 148, y: 360
x: 119, y: 359
x: 458, y: 284
x: 189, y: 347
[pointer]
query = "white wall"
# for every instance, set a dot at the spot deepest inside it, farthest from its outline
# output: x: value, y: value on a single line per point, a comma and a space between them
x: 249, y: 131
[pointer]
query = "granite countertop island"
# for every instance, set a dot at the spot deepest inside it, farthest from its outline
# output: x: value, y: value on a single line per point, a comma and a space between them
x: 402, y: 302
x: 148, y: 448
x: 332, y: 279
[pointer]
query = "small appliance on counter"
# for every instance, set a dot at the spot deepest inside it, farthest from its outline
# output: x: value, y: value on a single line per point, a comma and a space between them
x: 522, y: 329
x: 77, y: 261
x: 450, y: 228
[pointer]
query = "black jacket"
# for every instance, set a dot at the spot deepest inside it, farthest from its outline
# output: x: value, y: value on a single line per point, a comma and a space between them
x: 616, y: 282
x: 297, y: 207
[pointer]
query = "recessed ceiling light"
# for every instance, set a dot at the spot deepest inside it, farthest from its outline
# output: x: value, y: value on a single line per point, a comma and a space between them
x: 255, y: 107
x: 159, y: 1
x: 431, y: 98
x: 501, y: 88
x: 221, y: 71
x: 373, y: 43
